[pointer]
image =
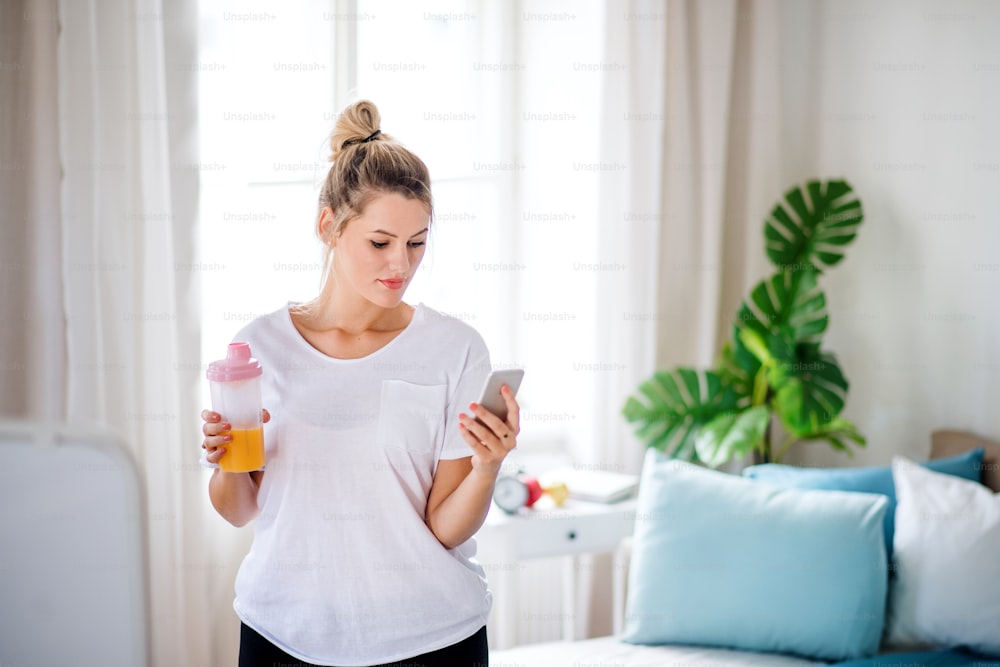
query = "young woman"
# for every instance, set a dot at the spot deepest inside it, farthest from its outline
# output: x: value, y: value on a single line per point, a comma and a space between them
x: 378, y: 472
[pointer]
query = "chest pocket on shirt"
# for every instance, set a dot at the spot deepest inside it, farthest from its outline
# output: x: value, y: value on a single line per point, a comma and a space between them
x: 411, y: 416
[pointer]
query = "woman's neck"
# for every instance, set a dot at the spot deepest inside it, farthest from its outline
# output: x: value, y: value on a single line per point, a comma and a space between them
x: 333, y: 308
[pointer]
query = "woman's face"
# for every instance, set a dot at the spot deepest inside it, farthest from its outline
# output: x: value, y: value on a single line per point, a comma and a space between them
x: 378, y: 252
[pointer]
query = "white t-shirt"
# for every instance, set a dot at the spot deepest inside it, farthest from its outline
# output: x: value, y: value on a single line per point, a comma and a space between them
x: 342, y: 569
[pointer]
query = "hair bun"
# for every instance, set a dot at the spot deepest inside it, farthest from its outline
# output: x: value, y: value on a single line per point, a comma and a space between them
x: 358, y: 123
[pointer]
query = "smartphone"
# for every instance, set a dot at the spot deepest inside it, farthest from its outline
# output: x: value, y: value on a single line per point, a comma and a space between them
x: 491, y: 398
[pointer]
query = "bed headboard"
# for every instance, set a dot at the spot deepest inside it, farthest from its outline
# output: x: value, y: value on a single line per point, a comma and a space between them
x: 947, y: 442
x: 73, y: 578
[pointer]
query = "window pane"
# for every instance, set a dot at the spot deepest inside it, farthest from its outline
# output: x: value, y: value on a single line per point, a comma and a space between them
x: 265, y: 114
x: 489, y: 99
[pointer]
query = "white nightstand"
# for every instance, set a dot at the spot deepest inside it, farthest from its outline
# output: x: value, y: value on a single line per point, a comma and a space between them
x: 575, y: 528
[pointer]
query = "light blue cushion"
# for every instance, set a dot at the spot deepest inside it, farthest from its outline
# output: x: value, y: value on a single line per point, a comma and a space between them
x: 719, y: 560
x: 867, y: 480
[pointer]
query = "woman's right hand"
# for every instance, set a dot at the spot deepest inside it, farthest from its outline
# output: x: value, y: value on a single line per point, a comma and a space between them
x: 217, y: 433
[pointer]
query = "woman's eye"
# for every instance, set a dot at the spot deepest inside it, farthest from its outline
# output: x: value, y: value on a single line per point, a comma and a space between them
x: 382, y: 244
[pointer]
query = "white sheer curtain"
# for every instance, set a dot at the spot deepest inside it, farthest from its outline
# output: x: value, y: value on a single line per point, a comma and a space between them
x: 629, y: 220
x: 628, y: 231
x: 722, y: 154
x: 97, y: 329
x: 700, y: 42
x: 683, y: 104
x: 693, y: 117
x: 126, y: 152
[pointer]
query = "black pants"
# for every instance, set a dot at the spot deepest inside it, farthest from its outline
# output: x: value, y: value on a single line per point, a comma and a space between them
x: 255, y: 651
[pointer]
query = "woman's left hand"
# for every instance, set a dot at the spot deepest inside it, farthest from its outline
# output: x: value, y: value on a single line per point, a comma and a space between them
x: 490, y: 438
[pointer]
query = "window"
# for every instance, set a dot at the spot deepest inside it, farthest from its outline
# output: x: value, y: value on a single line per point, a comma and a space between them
x: 494, y: 101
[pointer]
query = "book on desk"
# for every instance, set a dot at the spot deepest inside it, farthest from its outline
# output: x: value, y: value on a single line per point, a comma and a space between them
x: 596, y: 486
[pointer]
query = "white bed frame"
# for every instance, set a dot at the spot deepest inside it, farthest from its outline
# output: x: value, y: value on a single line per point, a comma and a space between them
x: 73, y: 578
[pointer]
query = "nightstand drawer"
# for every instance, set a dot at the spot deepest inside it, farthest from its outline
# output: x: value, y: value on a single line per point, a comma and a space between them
x: 561, y: 534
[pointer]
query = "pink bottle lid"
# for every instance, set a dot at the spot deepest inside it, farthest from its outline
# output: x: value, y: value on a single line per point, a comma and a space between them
x: 238, y: 365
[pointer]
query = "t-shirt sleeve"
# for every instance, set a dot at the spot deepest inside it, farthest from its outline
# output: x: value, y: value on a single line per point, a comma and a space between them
x: 475, y: 370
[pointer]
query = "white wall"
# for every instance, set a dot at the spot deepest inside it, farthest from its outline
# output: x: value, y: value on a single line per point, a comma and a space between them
x: 903, y: 100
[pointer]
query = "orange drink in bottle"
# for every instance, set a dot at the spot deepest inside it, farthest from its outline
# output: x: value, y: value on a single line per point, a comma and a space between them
x: 236, y: 396
x: 245, y: 451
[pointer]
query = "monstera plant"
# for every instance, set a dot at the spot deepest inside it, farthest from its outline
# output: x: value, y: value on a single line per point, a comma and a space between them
x: 773, y: 366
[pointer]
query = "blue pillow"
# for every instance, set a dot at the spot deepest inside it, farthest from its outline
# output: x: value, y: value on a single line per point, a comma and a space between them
x: 719, y: 560
x: 867, y: 480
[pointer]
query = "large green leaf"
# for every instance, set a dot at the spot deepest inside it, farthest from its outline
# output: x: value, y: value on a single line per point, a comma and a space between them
x: 789, y: 299
x: 810, y: 391
x: 677, y: 403
x: 738, y: 367
x: 732, y: 435
x: 813, y: 233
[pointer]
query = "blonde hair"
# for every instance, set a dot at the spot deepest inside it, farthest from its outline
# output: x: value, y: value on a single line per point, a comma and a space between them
x: 366, y: 163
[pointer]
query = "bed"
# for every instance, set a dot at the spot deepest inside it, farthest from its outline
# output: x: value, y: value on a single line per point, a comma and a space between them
x: 894, y: 631
x: 611, y: 652
x: 608, y: 651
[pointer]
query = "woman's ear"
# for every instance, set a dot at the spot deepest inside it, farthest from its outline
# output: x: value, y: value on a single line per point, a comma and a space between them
x: 325, y: 226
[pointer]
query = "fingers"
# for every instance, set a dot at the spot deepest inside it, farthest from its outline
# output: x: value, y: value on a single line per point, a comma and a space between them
x: 513, y: 410
x: 216, y: 434
x: 214, y: 454
x: 478, y: 429
x: 488, y: 430
x: 474, y: 442
x: 216, y: 428
x: 492, y: 423
x: 213, y: 441
x: 473, y: 432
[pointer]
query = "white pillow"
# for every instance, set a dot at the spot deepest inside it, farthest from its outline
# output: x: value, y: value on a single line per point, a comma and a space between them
x: 947, y: 559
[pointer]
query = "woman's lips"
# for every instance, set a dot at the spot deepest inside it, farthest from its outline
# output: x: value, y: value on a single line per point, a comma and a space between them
x: 393, y: 284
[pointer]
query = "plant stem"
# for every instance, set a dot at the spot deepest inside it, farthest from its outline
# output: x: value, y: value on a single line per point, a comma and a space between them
x: 789, y: 441
x: 769, y: 431
x: 766, y: 449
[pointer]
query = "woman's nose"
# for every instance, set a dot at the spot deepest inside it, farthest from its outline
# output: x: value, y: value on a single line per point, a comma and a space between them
x: 400, y: 260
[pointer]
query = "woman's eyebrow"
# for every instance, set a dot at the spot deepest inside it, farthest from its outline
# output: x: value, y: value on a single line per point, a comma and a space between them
x: 382, y: 231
